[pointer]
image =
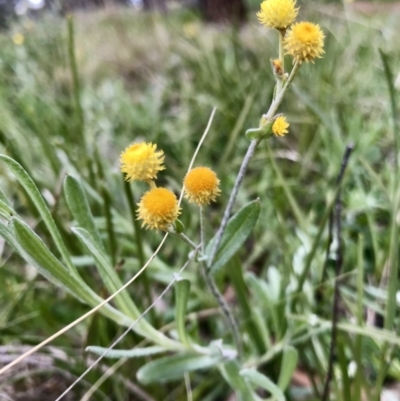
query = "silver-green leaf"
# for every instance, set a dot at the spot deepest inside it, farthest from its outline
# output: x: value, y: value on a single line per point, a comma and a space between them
x: 237, y: 230
x: 174, y: 367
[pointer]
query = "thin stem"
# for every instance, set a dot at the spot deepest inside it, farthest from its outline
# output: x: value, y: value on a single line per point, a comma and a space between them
x: 188, y: 387
x: 75, y: 77
x: 184, y: 238
x: 338, y: 268
x: 279, y: 96
x: 249, y: 154
x: 326, y: 215
x: 393, y: 282
x: 139, y: 247
x: 391, y: 295
x: 109, y: 225
x: 393, y: 105
x: 217, y: 295
x: 393, y: 265
x: 339, y: 179
x: 279, y: 82
x: 359, y: 378
x: 234, y: 327
x: 202, y: 233
x: 281, y: 56
x: 336, y: 296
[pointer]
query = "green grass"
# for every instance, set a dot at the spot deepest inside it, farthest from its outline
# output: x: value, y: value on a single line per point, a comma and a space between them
x: 158, y: 78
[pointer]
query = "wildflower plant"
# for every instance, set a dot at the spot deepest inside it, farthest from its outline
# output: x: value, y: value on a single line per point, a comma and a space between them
x: 238, y: 357
x: 159, y: 208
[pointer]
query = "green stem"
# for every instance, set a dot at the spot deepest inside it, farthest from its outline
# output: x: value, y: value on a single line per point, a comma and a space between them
x: 391, y: 296
x: 239, y: 285
x: 202, y: 233
x: 75, y: 78
x: 139, y: 248
x: 230, y: 318
x: 217, y: 295
x: 185, y: 238
x: 250, y: 152
x: 360, y: 320
x: 109, y: 223
x: 393, y: 267
x: 310, y: 257
x: 279, y: 82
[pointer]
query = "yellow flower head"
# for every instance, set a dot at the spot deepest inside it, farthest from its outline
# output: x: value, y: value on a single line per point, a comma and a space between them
x: 201, y: 186
x: 280, y: 126
x: 141, y: 162
x: 191, y: 30
x: 305, y: 41
x: 18, y: 39
x: 158, y: 209
x: 278, y: 14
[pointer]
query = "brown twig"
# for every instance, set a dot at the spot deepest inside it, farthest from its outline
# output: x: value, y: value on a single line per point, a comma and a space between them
x: 345, y: 160
x: 335, y: 219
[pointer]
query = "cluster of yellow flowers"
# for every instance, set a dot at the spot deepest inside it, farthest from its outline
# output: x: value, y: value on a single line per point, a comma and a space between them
x: 304, y: 41
x: 158, y: 208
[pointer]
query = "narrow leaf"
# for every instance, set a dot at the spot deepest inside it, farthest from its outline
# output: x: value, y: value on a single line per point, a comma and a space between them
x: 261, y: 293
x: 289, y: 363
x: 241, y: 291
x: 8, y: 236
x: 174, y: 367
x: 79, y: 206
x: 260, y: 380
x: 35, y: 252
x: 113, y: 283
x: 230, y: 372
x: 33, y: 192
x: 6, y: 211
x: 3, y: 197
x: 237, y: 230
x: 392, y: 93
x: 126, y: 353
x: 107, y: 273
x: 182, y: 290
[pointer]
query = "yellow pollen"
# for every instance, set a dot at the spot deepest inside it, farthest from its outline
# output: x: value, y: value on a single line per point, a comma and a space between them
x: 305, y: 42
x: 277, y: 14
x: 141, y: 162
x: 280, y: 126
x: 158, y: 209
x: 201, y: 186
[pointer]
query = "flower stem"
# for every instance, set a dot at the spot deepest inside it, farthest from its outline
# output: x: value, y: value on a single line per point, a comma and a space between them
x: 281, y: 58
x: 230, y: 318
x: 279, y: 81
x: 249, y: 154
x: 139, y: 247
x: 235, y: 190
x: 279, y: 95
x: 184, y: 238
x: 202, y: 233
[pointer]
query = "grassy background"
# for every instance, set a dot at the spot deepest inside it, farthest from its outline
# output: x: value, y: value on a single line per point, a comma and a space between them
x: 158, y: 78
